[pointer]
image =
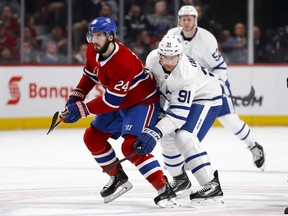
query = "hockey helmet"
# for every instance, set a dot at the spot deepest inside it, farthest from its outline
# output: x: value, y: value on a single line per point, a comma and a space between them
x: 101, y: 24
x: 187, y: 10
x: 170, y: 45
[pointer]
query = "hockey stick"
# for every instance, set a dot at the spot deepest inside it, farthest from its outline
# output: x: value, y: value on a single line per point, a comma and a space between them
x: 111, y: 166
x: 53, y: 123
x: 247, y: 98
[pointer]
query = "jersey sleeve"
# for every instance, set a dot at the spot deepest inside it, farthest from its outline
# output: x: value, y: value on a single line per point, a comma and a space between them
x: 178, y: 108
x: 214, y: 58
x: 85, y: 84
x: 118, y: 89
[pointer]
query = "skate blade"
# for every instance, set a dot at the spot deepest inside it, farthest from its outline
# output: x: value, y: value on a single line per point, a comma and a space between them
x: 210, y: 202
x: 262, y: 168
x: 119, y: 192
x: 171, y: 203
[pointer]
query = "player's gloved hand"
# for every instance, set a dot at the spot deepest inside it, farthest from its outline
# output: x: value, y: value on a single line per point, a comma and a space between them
x: 147, y: 140
x: 75, y: 95
x: 74, y: 111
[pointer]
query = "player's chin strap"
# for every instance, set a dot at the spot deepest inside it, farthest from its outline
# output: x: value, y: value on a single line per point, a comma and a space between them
x: 247, y: 98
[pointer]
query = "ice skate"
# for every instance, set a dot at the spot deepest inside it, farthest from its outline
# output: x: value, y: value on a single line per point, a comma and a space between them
x: 211, y: 195
x: 258, y: 156
x: 166, y: 197
x: 116, y: 186
x: 181, y: 184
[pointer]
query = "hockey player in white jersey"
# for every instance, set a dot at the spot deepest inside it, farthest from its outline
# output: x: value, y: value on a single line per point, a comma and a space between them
x: 194, y: 100
x: 202, y: 46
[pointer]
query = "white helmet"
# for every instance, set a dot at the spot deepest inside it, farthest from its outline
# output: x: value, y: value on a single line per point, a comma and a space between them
x: 188, y: 10
x: 170, y: 45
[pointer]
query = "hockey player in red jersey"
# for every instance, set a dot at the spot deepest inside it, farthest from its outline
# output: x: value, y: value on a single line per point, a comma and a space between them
x: 129, y: 104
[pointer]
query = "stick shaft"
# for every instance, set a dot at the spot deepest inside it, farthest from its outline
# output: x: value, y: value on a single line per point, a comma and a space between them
x: 111, y: 166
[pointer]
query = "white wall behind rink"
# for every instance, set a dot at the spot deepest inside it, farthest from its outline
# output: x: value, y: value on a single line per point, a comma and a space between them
x: 36, y: 91
x: 39, y: 91
x: 271, y: 90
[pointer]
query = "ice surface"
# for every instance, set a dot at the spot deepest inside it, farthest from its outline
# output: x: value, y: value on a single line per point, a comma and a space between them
x: 55, y: 175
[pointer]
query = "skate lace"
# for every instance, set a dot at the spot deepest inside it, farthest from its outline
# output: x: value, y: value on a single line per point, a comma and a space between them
x: 110, y: 182
x: 205, y: 188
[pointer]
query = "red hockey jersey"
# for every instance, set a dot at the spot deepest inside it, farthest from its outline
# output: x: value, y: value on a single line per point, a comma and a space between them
x: 123, y: 77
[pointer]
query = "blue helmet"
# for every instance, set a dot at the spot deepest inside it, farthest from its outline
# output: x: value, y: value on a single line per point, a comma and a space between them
x: 102, y: 24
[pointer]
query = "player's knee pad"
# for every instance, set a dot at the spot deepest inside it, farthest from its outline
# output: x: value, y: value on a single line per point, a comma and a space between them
x: 168, y: 144
x: 186, y: 142
x: 196, y: 158
x: 96, y: 140
x: 189, y: 146
x: 231, y: 122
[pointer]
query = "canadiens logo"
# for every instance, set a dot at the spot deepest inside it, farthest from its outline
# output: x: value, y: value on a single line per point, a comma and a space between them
x: 96, y: 68
x: 14, y: 90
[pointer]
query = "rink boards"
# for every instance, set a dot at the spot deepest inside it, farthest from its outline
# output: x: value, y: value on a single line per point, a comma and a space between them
x: 30, y: 95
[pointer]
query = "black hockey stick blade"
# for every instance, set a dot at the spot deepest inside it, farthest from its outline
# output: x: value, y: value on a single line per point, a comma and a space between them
x: 251, y: 95
x: 111, y: 166
x: 247, y: 98
x: 53, y: 122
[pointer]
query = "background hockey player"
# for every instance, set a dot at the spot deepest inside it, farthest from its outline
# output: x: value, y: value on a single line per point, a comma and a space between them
x: 202, y: 46
x: 129, y: 104
x: 194, y: 100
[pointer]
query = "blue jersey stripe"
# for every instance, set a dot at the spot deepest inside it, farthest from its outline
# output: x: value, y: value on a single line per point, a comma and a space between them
x: 195, y: 156
x: 246, y: 135
x: 171, y: 157
x: 200, y: 166
x: 139, y: 78
x: 149, y: 167
x: 240, y: 129
x: 112, y: 99
x: 176, y: 116
x: 106, y: 158
x: 219, y: 66
x: 174, y: 165
x: 179, y: 107
x: 91, y: 75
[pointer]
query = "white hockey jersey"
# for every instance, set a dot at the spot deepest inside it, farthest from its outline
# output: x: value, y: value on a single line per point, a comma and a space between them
x: 187, y: 84
x: 203, y: 47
